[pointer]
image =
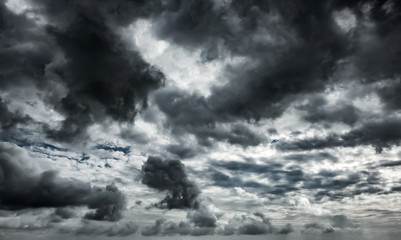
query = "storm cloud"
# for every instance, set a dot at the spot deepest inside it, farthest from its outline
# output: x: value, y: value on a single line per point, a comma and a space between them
x: 282, y: 111
x: 23, y: 185
x: 79, y: 53
x: 10, y: 119
x: 376, y: 133
x: 170, y: 176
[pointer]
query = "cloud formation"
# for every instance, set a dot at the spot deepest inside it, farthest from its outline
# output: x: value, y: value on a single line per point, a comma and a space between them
x: 79, y: 61
x: 170, y: 176
x: 23, y: 186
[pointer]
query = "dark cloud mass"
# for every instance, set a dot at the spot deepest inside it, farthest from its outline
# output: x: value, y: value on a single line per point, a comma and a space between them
x: 10, y: 119
x: 23, y: 187
x: 307, y: 49
x: 170, y: 176
x: 193, y: 114
x: 378, y: 133
x: 275, y: 106
x: 103, y: 77
x: 265, y: 89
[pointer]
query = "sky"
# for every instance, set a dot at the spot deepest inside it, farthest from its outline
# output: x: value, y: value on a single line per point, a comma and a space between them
x: 200, y: 119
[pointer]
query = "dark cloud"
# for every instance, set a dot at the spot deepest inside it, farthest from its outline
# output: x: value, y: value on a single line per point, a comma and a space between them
x: 194, y: 114
x: 286, y: 230
x: 102, y: 77
x: 182, y: 151
x: 317, y: 111
x: 64, y: 213
x: 248, y: 225
x: 321, y: 156
x: 60, y: 214
x: 265, y: 89
x: 336, y: 222
x: 380, y: 134
x: 223, y: 180
x: 22, y: 187
x: 24, y: 49
x: 170, y: 176
x: 309, y: 48
x: 334, y: 185
x: 153, y: 230
x: 10, y: 119
x: 317, y: 227
x: 341, y: 221
x: 108, y: 202
x: 113, y: 148
x: 274, y: 172
x: 390, y: 163
x: 203, y: 217
x: 92, y: 228
x: 134, y: 135
x: 162, y: 227
x: 272, y: 131
x: 256, y: 224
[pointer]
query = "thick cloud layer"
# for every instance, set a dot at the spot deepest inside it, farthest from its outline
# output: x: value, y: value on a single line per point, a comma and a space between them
x: 292, y: 49
x: 23, y: 186
x: 378, y: 133
x: 8, y: 119
x: 194, y: 114
x: 78, y: 59
x: 170, y: 176
x: 305, y: 33
x: 284, y: 100
x: 255, y: 224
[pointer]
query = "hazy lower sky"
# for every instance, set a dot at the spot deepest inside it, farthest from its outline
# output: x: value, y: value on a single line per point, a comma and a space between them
x: 189, y: 119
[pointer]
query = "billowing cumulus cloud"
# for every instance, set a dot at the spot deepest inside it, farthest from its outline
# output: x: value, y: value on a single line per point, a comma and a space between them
x: 11, y: 119
x: 170, y: 176
x: 194, y: 114
x: 22, y: 186
x: 80, y: 53
x: 376, y: 133
x: 270, y: 117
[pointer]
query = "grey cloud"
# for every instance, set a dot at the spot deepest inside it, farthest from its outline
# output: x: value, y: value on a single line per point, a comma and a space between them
x: 286, y: 230
x: 224, y: 180
x: 341, y: 221
x: 336, y: 222
x: 92, y: 228
x: 103, y: 78
x: 21, y: 187
x: 203, y: 217
x: 334, y: 185
x: 182, y: 151
x: 321, y: 156
x: 390, y: 163
x: 247, y: 225
x: 10, y: 119
x: 194, y: 114
x: 317, y: 227
x: 162, y: 227
x: 170, y: 176
x: 272, y: 131
x: 380, y: 134
x: 317, y: 111
x: 266, y: 88
x: 155, y: 229
x: 24, y: 49
x: 134, y: 135
x: 244, y: 225
x: 113, y: 148
x: 62, y: 213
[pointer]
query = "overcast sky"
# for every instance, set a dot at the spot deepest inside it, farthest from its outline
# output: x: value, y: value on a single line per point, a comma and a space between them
x: 210, y: 119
